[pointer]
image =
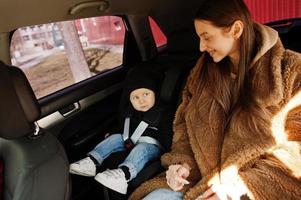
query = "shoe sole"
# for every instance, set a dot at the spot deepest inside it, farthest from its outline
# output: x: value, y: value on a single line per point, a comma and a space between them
x: 99, y: 179
x: 80, y: 173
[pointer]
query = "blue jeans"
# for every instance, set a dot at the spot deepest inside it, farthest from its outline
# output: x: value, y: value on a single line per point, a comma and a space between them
x: 164, y: 194
x: 135, y: 161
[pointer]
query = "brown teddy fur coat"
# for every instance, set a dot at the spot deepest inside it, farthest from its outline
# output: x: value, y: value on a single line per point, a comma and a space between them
x: 264, y: 163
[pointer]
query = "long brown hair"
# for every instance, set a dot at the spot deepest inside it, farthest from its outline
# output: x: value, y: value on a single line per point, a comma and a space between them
x: 233, y: 97
x: 223, y: 14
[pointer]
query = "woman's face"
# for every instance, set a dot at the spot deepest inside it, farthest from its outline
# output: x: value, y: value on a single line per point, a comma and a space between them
x: 218, y: 42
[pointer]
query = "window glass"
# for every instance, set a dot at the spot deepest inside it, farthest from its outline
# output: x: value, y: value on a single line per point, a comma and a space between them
x: 270, y: 10
x: 159, y: 36
x: 56, y: 55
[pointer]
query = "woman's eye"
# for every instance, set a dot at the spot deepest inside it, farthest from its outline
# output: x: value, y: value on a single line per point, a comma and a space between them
x: 205, y: 38
x: 145, y: 94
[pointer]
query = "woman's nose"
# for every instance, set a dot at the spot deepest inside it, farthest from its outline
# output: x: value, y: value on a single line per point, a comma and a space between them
x: 202, y: 46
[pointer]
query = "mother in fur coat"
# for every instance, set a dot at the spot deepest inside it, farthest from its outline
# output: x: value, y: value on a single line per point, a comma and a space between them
x: 237, y: 133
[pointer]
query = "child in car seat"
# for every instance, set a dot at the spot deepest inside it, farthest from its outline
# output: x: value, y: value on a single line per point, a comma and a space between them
x: 141, y: 136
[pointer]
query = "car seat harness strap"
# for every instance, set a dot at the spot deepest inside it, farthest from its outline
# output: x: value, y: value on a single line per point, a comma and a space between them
x: 136, y: 137
x: 137, y: 133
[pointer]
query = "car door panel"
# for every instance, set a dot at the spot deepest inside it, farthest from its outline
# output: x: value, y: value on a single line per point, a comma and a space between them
x: 91, y: 112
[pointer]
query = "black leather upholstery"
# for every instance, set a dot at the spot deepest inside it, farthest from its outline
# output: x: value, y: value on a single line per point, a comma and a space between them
x: 35, y: 168
x: 183, y: 46
x: 289, y: 31
x: 18, y: 105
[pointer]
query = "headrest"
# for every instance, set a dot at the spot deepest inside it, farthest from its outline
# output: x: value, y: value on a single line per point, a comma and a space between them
x: 170, y: 82
x: 18, y: 105
x: 183, y: 45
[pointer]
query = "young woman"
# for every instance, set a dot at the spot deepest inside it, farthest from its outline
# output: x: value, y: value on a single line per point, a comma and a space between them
x: 237, y: 132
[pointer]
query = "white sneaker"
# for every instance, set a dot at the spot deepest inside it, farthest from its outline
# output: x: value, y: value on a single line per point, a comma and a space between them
x: 84, y: 167
x: 113, y: 179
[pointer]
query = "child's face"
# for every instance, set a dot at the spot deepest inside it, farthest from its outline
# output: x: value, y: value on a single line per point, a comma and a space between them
x: 142, y: 99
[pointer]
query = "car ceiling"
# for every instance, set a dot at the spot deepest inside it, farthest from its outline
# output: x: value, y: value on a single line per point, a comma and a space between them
x: 19, y: 13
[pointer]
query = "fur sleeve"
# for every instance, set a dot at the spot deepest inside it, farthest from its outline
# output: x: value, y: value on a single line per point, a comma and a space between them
x: 277, y: 174
x: 293, y: 124
x: 293, y: 88
x: 181, y: 150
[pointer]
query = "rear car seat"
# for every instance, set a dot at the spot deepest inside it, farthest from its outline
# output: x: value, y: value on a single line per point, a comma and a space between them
x: 289, y: 31
x: 35, y: 163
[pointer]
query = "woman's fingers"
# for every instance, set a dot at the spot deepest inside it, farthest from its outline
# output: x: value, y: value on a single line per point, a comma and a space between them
x: 208, y: 193
x: 170, y: 174
x: 179, y: 179
x: 174, y: 177
x: 175, y: 186
x: 213, y: 193
x: 174, y: 168
x: 213, y: 197
x: 183, y: 172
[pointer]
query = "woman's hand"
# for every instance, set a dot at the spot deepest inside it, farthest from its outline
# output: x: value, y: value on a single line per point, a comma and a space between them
x: 213, y: 194
x: 176, y: 176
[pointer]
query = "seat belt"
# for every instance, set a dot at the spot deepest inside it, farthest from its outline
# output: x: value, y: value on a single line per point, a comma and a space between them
x: 137, y: 133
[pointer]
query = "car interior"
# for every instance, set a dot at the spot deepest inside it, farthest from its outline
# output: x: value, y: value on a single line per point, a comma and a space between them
x: 28, y: 153
x: 41, y: 134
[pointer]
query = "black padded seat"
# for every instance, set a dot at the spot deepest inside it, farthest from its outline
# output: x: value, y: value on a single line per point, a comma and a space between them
x: 289, y: 31
x: 35, y: 163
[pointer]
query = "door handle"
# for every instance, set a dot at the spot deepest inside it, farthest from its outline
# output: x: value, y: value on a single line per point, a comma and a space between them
x: 69, y: 110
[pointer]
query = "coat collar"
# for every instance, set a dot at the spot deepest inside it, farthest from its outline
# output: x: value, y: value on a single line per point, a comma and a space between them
x: 269, y: 38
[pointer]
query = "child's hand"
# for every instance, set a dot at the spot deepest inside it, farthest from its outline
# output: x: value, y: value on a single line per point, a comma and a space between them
x: 176, y: 176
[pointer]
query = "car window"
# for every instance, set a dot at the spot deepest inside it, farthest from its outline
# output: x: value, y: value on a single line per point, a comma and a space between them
x: 159, y: 36
x: 56, y: 55
x: 265, y: 11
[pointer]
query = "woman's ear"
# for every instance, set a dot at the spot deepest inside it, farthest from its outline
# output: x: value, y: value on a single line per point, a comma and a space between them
x: 237, y: 29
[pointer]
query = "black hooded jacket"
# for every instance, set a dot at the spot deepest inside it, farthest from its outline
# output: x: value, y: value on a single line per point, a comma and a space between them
x: 159, y: 119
